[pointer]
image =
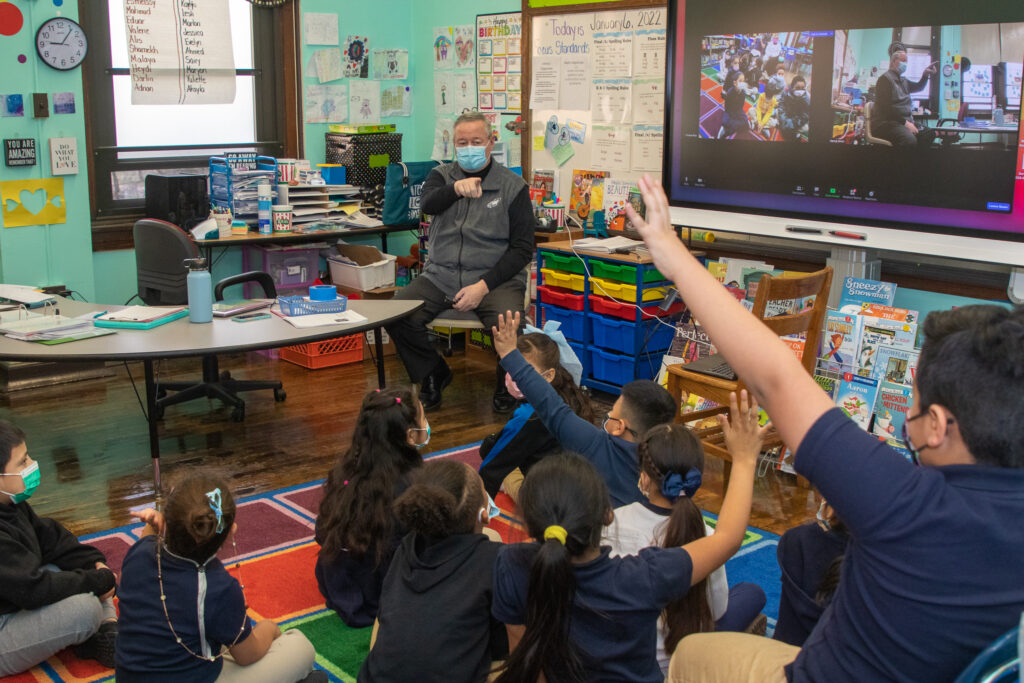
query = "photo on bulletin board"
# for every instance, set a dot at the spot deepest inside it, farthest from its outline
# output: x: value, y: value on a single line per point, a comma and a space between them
x: 499, y: 40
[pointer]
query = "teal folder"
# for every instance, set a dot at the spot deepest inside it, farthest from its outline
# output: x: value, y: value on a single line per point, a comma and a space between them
x: 149, y: 324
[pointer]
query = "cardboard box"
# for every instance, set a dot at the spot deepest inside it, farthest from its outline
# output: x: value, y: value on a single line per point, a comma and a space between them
x: 368, y: 346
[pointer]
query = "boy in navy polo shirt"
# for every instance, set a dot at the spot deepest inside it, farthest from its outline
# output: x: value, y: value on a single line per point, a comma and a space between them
x: 932, y: 573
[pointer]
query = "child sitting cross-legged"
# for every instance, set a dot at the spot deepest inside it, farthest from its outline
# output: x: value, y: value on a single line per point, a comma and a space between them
x: 671, y: 466
x: 435, y: 619
x: 183, y: 616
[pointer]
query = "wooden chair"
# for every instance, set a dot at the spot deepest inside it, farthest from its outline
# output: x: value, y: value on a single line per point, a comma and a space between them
x: 809, y: 321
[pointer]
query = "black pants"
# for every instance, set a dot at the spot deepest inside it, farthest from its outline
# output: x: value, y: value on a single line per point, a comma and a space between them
x: 900, y: 136
x: 410, y: 333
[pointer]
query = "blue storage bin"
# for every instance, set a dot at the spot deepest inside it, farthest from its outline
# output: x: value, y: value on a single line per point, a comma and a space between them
x: 574, y: 323
x: 619, y: 369
x: 629, y: 337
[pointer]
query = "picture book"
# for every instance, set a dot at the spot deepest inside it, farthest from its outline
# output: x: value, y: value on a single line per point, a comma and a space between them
x: 904, y: 334
x: 839, y: 345
x: 856, y: 397
x: 580, y: 194
x: 752, y: 276
x: 635, y: 200
x: 616, y: 196
x: 796, y: 344
x: 891, y: 409
x: 902, y: 315
x: 717, y: 270
x: 829, y: 384
x: 543, y: 186
x: 896, y: 365
x: 690, y: 342
x: 734, y: 269
x: 871, y: 339
x: 857, y: 291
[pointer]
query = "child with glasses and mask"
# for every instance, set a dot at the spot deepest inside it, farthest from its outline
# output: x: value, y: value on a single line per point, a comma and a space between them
x: 54, y: 591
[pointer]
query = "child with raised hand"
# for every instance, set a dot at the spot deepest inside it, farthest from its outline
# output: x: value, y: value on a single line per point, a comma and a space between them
x: 183, y: 616
x: 919, y: 594
x: 671, y: 463
x: 443, y: 567
x: 575, y: 613
x: 54, y: 591
x: 524, y: 439
x: 356, y: 527
x: 612, y: 446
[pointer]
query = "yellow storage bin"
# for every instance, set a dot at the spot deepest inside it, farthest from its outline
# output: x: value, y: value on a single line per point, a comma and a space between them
x: 558, y: 278
x: 624, y: 292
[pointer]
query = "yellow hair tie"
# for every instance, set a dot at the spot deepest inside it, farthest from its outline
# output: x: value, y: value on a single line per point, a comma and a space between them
x: 556, y: 532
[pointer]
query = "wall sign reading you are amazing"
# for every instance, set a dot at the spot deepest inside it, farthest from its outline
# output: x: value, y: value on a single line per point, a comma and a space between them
x: 20, y: 152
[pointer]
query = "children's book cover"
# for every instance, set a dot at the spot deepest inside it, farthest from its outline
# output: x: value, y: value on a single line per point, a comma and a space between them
x: 839, y: 345
x: 856, y: 397
x: 542, y: 188
x: 616, y: 196
x: 902, y: 315
x: 904, y: 334
x: 829, y: 384
x: 891, y: 409
x: 858, y: 291
x: 871, y: 339
x: 796, y: 344
x: 896, y: 365
x: 636, y: 200
x: 717, y: 270
x: 690, y: 342
x: 580, y: 195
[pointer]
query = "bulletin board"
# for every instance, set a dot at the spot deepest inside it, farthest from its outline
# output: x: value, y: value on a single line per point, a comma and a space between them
x: 594, y: 97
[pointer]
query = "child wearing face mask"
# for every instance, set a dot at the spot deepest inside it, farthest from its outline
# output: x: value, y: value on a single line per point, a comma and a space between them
x: 356, y: 527
x: 524, y: 439
x: 671, y: 463
x: 54, y: 591
x: 442, y: 567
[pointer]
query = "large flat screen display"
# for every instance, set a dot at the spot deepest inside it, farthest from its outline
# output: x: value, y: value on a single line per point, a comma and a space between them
x: 877, y: 113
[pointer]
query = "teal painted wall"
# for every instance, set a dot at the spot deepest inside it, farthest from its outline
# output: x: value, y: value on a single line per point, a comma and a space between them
x: 51, y: 254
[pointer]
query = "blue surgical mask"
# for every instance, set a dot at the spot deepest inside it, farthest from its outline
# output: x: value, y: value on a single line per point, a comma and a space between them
x: 30, y: 475
x: 423, y: 429
x: 471, y: 157
x: 493, y: 511
x: 902, y: 67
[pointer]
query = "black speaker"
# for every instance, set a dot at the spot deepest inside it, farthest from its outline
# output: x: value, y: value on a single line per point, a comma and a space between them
x: 178, y: 199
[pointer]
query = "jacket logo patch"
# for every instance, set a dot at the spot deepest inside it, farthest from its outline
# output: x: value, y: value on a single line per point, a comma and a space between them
x: 494, y: 202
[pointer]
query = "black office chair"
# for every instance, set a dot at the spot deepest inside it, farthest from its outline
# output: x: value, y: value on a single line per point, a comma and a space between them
x: 160, y: 249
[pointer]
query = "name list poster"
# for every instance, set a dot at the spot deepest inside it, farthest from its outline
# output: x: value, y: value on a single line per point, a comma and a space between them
x: 179, y: 51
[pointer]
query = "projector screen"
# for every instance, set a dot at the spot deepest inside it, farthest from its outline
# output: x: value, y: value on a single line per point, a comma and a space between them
x: 796, y: 119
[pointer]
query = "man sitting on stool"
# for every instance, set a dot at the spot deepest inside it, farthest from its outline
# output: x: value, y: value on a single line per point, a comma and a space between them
x: 481, y: 239
x: 891, y: 113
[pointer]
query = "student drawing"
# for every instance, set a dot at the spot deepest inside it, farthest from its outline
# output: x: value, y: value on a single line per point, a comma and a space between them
x: 365, y: 111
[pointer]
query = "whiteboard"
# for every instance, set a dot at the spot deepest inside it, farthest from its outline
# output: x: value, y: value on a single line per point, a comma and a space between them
x: 597, y: 88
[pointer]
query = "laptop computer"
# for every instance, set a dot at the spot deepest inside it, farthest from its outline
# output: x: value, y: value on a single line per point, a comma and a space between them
x: 714, y: 365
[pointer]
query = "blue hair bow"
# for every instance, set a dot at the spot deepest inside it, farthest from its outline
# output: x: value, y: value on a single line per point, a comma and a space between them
x: 674, y: 484
x: 214, y: 498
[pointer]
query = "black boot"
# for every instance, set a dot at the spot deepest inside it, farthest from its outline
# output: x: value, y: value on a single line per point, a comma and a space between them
x: 434, y: 384
x: 100, y: 645
x: 502, y: 401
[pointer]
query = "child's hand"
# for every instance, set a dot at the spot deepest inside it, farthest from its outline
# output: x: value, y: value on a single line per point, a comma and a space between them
x: 151, y: 517
x: 505, y: 333
x: 743, y: 436
x: 656, y: 230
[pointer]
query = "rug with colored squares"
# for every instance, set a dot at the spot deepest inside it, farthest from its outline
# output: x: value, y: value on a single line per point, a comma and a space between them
x: 276, y: 552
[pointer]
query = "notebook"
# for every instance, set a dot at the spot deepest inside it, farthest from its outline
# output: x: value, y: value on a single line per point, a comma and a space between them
x: 224, y: 309
x: 140, y: 314
x: 140, y: 324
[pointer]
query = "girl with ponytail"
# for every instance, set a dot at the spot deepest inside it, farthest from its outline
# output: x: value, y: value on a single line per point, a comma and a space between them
x: 671, y: 463
x: 574, y: 612
x: 182, y: 615
x: 442, y: 567
x: 356, y: 528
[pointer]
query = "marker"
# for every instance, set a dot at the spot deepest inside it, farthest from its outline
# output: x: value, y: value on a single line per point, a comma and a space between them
x: 99, y: 314
x: 801, y: 229
x: 848, y: 235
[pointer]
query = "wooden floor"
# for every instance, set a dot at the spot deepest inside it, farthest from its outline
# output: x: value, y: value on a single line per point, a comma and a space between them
x: 91, y: 438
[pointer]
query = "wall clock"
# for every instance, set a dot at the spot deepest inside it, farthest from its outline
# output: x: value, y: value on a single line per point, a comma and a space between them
x: 61, y: 43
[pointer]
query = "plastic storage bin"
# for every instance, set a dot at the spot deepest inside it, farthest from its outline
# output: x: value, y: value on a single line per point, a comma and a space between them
x: 289, y: 266
x: 567, y: 263
x: 558, y: 278
x: 574, y: 323
x: 618, y: 369
x: 624, y: 292
x: 325, y: 354
x: 624, y: 272
x: 364, y: 278
x: 627, y: 311
x: 560, y: 297
x: 630, y: 337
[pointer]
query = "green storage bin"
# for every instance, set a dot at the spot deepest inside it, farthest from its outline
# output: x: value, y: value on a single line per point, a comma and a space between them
x: 564, y: 262
x: 624, y: 272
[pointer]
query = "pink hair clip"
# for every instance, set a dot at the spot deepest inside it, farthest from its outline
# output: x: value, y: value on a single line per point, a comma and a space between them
x: 397, y: 399
x: 346, y: 483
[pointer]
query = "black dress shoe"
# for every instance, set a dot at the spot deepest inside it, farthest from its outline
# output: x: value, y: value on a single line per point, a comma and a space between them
x: 433, y: 385
x: 502, y: 401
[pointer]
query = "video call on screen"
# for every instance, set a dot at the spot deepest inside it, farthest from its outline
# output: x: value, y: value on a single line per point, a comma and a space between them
x: 797, y: 99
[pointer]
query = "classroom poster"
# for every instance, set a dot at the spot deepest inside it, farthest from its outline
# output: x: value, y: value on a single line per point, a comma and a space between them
x: 645, y: 152
x: 575, y: 88
x: 499, y: 46
x: 391, y: 64
x: 612, y: 100
x: 545, y: 84
x: 649, y: 53
x: 325, y: 104
x: 611, y: 147
x: 364, y: 101
x: 648, y: 100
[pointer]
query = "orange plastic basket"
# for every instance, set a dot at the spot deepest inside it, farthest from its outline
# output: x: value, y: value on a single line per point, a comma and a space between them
x: 325, y: 354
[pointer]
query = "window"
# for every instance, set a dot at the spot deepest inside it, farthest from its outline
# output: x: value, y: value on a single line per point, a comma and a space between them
x: 128, y: 142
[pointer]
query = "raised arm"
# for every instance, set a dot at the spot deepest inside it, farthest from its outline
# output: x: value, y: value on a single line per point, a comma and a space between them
x: 766, y: 365
x: 743, y: 438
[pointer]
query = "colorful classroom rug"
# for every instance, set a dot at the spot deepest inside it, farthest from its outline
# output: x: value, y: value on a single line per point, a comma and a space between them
x: 277, y: 553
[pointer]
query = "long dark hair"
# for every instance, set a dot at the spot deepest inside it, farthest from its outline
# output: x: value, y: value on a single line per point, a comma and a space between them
x: 540, y: 348
x: 561, y: 490
x: 445, y: 498
x: 191, y: 519
x: 355, y: 514
x: 673, y: 458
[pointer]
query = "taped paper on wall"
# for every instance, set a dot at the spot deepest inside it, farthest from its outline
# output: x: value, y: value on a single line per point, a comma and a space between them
x: 20, y: 199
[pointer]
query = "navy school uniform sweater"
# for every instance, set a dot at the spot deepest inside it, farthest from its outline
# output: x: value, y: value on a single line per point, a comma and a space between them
x: 521, y: 443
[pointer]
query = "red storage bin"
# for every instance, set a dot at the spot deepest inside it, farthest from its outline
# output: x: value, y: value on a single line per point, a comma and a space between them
x: 325, y: 354
x: 566, y: 298
x: 606, y: 306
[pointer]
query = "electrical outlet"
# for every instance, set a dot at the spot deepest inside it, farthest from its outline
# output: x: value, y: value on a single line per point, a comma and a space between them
x: 40, y: 105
